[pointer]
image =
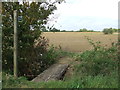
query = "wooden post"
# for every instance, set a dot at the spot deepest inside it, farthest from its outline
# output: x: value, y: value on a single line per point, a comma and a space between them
x: 1, y: 46
x: 15, y: 44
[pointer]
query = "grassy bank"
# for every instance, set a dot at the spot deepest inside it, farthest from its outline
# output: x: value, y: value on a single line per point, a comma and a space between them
x: 98, y: 68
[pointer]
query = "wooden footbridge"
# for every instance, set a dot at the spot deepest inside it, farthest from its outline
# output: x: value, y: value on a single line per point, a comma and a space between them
x: 55, y: 72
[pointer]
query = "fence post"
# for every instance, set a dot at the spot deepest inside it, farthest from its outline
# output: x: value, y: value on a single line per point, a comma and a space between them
x: 15, y: 44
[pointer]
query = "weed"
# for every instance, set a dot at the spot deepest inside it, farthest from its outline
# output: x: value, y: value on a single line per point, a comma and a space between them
x: 98, y: 61
x: 98, y: 68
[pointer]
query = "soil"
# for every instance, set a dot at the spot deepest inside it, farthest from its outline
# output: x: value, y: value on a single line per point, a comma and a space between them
x: 70, y: 70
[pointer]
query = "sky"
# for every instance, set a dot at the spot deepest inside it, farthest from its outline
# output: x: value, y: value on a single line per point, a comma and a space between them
x: 90, y: 14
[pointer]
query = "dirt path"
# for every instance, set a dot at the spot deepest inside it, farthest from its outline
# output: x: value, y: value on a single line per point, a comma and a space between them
x: 65, y: 60
x: 70, y: 70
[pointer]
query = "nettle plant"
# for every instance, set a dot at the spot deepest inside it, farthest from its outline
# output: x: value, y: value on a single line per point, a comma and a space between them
x: 96, y: 45
x: 99, y: 61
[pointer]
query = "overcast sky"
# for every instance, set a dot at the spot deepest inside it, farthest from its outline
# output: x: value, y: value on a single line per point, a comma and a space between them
x: 90, y: 14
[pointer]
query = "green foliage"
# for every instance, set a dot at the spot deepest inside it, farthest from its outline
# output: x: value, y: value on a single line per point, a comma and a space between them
x: 108, y: 31
x: 9, y: 81
x: 96, y: 45
x: 100, y: 61
x: 100, y: 81
x: 54, y: 30
x: 115, y: 30
x: 95, y: 63
x: 85, y: 30
x: 63, y: 31
x: 51, y: 55
x: 30, y: 44
x: 74, y: 82
x: 98, y: 68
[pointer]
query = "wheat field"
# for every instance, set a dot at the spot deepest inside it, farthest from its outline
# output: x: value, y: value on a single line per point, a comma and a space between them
x: 76, y: 41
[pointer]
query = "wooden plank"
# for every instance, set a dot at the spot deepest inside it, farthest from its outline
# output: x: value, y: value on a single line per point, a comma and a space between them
x: 55, y: 72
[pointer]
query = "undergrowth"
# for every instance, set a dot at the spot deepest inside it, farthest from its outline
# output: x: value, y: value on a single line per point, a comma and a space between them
x: 98, y: 68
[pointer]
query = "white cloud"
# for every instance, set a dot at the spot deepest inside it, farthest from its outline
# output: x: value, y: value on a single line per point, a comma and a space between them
x: 102, y: 8
x: 87, y: 12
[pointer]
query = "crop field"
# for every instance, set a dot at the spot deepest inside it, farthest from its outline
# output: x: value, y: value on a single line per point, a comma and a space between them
x: 77, y: 42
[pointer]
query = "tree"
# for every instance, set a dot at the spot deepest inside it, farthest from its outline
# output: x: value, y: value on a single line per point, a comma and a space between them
x: 34, y: 17
x: 83, y: 30
x: 115, y: 30
x: 108, y: 31
x: 63, y: 31
x: 54, y: 30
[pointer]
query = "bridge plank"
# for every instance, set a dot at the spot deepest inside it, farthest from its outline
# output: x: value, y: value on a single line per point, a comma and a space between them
x: 55, y: 72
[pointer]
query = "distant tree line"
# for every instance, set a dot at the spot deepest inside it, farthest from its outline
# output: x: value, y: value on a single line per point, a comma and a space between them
x: 105, y: 30
x: 58, y: 30
x: 85, y: 30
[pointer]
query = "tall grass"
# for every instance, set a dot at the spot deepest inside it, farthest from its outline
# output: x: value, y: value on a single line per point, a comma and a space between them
x: 98, y: 68
x: 98, y: 81
x: 100, y: 60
